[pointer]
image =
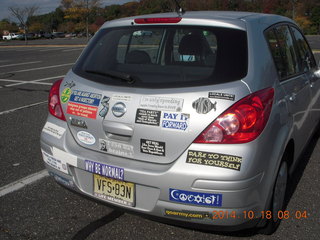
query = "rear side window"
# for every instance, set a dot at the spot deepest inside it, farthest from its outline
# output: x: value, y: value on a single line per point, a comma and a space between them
x: 290, y: 51
x: 307, y: 60
x: 165, y: 56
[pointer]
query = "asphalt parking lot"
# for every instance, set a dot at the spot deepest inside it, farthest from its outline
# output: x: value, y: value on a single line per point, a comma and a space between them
x: 33, y: 206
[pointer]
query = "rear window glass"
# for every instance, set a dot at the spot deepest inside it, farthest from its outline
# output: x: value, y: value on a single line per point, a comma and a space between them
x: 165, y: 56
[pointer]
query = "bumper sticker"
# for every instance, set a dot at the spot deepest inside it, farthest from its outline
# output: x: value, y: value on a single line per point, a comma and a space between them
x: 104, y: 170
x: 67, y: 157
x: 82, y: 110
x: 88, y: 98
x: 224, y: 96
x: 53, y: 130
x: 148, y: 117
x: 203, y: 105
x: 153, y: 147
x: 116, y: 148
x: 175, y: 121
x: 162, y: 103
x: 187, y: 214
x: 59, y: 164
x: 195, y: 198
x: 86, y: 138
x: 214, y: 159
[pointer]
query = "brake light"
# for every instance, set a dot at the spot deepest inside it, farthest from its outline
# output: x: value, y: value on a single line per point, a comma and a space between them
x: 157, y: 20
x: 242, y: 122
x: 54, y: 103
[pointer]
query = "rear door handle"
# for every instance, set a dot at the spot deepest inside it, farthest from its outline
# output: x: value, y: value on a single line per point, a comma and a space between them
x: 117, y: 128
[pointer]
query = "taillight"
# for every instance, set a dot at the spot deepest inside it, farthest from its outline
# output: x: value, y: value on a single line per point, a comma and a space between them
x: 157, y: 20
x: 242, y: 122
x: 54, y: 104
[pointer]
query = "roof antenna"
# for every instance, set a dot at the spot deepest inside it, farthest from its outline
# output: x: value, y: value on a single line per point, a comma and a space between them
x: 179, y: 9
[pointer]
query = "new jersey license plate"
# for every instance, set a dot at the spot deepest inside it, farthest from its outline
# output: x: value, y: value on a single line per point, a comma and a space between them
x: 114, y: 190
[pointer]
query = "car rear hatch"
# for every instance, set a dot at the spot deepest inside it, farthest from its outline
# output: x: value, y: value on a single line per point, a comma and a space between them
x: 146, y: 91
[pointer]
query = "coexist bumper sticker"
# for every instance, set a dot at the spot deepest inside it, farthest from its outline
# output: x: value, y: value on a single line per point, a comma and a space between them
x: 195, y: 198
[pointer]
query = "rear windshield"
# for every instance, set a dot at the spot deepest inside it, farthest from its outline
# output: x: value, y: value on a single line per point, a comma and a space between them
x: 165, y: 56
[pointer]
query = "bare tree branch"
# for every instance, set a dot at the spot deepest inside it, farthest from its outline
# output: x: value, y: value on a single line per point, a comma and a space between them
x: 22, y: 15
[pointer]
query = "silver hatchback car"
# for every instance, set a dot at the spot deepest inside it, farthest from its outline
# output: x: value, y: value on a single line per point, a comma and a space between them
x: 190, y: 118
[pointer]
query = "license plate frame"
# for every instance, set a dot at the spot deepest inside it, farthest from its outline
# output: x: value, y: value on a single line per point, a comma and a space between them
x: 112, y: 190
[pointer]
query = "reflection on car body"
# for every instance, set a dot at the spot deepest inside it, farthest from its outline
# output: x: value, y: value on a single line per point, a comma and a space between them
x: 209, y: 113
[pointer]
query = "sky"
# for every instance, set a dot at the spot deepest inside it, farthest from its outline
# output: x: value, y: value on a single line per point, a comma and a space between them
x: 45, y: 6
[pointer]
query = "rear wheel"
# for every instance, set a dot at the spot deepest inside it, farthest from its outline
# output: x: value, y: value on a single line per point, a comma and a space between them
x: 277, y: 201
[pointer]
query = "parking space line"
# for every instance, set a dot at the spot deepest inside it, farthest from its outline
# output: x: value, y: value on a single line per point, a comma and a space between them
x: 20, y: 82
x: 19, y: 64
x: 14, y: 186
x: 23, y: 107
x: 40, y: 68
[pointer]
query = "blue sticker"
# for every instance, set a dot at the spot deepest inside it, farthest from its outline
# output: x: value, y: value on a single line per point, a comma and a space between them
x: 88, y: 98
x: 196, y: 198
x: 177, y: 121
x: 104, y: 170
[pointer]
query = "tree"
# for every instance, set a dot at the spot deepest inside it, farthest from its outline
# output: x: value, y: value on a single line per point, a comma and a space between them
x: 6, y: 25
x: 80, y: 10
x: 22, y: 15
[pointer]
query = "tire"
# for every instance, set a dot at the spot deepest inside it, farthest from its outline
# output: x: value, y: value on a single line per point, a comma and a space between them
x: 277, y: 201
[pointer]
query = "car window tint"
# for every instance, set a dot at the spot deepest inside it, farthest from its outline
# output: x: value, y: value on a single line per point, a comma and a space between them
x: 276, y: 52
x: 307, y: 60
x: 284, y: 51
x: 166, y: 56
x: 285, y: 41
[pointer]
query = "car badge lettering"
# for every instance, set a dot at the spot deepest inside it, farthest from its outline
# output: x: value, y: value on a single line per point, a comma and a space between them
x: 119, y: 109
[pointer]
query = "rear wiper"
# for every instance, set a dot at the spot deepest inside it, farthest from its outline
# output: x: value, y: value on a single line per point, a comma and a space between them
x: 113, y: 74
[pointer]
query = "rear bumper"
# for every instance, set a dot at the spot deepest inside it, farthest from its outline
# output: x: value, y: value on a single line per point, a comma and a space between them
x: 240, y: 207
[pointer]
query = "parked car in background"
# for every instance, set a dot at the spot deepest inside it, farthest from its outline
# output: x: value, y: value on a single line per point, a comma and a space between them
x: 70, y: 35
x: 58, y: 35
x: 201, y: 123
x: 10, y: 36
x: 48, y: 35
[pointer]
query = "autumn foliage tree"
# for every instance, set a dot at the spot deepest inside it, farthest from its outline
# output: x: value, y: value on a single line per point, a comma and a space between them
x: 88, y: 15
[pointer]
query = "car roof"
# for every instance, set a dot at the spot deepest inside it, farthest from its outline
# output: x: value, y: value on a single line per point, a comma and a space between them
x: 231, y: 18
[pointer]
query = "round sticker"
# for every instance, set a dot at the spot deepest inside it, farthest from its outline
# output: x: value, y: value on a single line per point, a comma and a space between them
x: 65, y: 95
x: 86, y: 138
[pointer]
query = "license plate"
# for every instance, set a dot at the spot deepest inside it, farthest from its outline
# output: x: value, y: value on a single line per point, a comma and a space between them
x: 114, y: 190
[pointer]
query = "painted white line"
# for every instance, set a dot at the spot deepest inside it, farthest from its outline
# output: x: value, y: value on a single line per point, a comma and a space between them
x: 23, y: 107
x: 75, y: 49
x: 14, y: 186
x: 40, y: 68
x: 11, y: 80
x: 19, y: 64
x: 20, y: 82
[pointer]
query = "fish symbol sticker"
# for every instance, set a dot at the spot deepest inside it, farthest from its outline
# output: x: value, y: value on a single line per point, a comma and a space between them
x: 204, y: 105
